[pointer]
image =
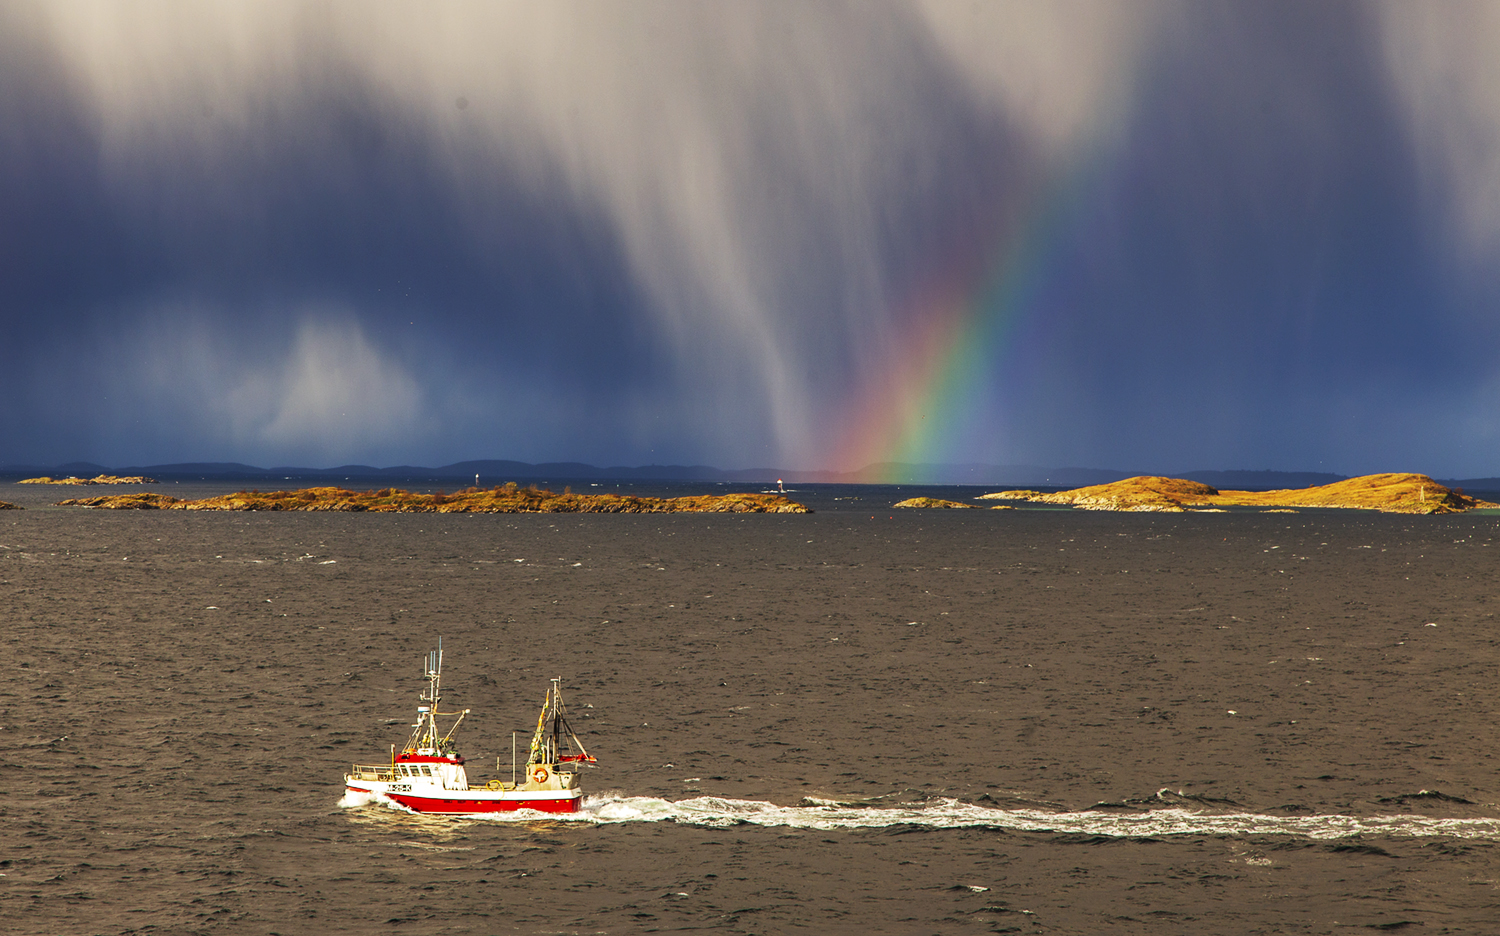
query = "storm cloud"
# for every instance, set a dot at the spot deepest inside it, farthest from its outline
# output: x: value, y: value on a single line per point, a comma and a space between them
x: 686, y: 232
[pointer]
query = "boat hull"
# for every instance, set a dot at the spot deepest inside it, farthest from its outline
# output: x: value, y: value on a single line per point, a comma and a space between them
x: 480, y: 802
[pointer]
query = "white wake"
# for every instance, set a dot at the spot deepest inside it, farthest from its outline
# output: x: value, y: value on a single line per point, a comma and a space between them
x: 718, y: 813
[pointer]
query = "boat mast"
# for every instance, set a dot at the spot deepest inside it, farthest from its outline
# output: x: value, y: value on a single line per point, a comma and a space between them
x: 556, y: 716
x: 424, y: 733
x: 538, y: 752
x: 545, y: 748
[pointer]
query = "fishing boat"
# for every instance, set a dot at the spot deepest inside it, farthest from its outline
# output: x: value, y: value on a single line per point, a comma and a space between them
x: 428, y: 775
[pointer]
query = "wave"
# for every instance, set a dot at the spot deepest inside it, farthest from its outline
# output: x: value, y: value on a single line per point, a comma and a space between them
x: 822, y: 815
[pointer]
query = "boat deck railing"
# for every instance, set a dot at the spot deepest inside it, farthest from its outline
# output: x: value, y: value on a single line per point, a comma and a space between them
x: 382, y: 774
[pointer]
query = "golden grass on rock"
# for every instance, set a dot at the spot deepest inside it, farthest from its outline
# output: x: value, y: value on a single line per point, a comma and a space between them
x: 8, y: 506
x: 142, y: 501
x: 507, y: 499
x: 939, y: 504
x: 1388, y: 493
x: 935, y: 502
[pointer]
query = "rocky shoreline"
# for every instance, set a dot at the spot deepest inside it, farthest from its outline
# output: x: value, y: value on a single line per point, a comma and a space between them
x: 507, y: 499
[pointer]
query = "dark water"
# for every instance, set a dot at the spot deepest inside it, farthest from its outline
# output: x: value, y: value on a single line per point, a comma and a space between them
x: 860, y: 721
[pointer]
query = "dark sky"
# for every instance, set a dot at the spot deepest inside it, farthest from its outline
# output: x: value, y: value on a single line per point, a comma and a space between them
x: 1253, y: 235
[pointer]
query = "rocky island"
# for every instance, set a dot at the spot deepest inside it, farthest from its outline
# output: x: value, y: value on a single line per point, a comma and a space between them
x: 98, y: 479
x: 939, y: 503
x: 1388, y: 493
x: 506, y: 499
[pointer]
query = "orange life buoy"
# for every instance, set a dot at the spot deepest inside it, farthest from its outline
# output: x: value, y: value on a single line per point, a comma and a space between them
x: 539, y: 774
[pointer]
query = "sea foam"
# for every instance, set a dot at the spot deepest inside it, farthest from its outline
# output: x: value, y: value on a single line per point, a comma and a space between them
x: 719, y: 812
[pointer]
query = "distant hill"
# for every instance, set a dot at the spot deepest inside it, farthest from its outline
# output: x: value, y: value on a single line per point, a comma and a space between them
x: 498, y: 471
x: 900, y: 473
x: 1262, y: 480
x: 494, y: 471
x: 1488, y: 485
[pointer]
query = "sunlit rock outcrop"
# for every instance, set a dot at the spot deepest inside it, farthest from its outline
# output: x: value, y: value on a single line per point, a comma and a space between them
x: 1388, y: 493
x: 97, y: 479
x: 507, y: 499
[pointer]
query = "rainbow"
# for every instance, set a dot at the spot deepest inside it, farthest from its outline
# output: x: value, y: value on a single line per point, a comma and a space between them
x: 936, y: 391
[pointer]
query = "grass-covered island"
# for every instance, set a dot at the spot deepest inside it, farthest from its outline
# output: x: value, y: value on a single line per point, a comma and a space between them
x: 938, y: 503
x: 1389, y: 493
x: 97, y: 479
x: 507, y: 499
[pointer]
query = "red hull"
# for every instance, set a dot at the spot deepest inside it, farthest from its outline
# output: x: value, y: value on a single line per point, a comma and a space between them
x: 425, y: 804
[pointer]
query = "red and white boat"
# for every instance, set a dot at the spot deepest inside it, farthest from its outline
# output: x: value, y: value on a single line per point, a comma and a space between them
x: 428, y: 776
